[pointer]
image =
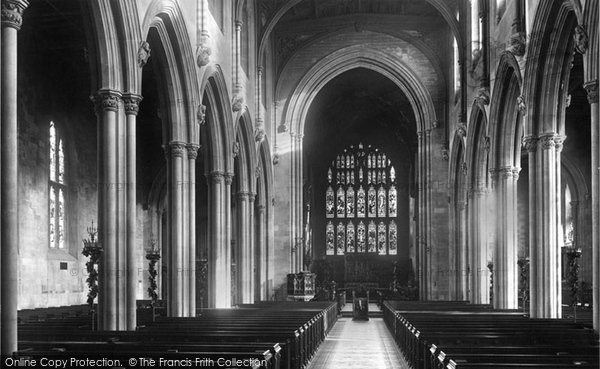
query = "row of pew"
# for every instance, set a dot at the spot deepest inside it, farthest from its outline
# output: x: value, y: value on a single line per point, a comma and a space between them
x: 269, y: 335
x: 456, y: 334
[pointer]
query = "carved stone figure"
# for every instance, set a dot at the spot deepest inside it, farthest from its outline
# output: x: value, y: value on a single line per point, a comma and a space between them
x: 581, y: 39
x: 143, y: 54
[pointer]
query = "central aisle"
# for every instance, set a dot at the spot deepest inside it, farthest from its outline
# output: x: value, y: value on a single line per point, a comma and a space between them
x: 358, y: 344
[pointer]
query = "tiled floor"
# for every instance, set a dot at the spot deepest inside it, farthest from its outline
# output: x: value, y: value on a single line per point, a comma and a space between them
x: 358, y: 344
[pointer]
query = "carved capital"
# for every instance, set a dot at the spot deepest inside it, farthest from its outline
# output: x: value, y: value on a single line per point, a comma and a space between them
x: 237, y: 103
x: 106, y: 100
x: 548, y: 142
x: 517, y: 44
x: 419, y: 134
x: 435, y: 123
x: 581, y: 39
x: 174, y: 149
x: 461, y: 205
x: 521, y: 104
x: 132, y: 104
x: 12, y: 13
x: 143, y: 54
x: 228, y: 178
x: 530, y: 143
x: 261, y: 208
x: 508, y: 173
x: 215, y: 177
x: 203, y: 55
x: 559, y: 142
x: 592, y: 91
x: 243, y: 195
x: 192, y: 151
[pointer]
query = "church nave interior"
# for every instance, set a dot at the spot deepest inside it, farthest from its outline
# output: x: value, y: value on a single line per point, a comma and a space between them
x: 300, y: 183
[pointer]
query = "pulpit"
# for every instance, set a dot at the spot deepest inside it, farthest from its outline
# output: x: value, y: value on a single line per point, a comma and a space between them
x: 301, y: 286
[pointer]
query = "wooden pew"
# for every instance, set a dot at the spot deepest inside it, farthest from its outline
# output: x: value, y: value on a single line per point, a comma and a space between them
x: 461, y: 335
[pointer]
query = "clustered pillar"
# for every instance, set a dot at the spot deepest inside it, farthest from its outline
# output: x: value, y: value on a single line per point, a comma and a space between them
x: 479, y: 287
x: 12, y: 12
x: 505, y: 257
x: 592, y: 91
x: 132, y: 104
x: 219, y: 252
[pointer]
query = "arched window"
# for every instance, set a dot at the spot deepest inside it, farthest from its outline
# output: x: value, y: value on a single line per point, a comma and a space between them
x: 365, y: 187
x: 56, y: 189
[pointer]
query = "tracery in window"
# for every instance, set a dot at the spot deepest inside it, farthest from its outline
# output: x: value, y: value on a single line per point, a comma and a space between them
x: 56, y: 198
x: 364, y: 180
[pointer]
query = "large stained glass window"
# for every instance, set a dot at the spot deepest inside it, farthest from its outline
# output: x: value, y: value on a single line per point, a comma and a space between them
x: 361, y: 184
x: 56, y: 198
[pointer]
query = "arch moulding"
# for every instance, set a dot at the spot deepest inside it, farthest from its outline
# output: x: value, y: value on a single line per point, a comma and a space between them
x: 355, y: 57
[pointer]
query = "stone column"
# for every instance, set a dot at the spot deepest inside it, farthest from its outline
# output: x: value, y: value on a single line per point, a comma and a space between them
x: 293, y: 189
x: 132, y: 103
x: 107, y: 105
x: 228, y: 180
x: 192, y: 154
x: 252, y: 247
x: 299, y: 205
x: 531, y: 144
x: 505, y: 260
x: 478, y: 246
x: 421, y: 239
x: 174, y: 152
x: 12, y: 12
x: 463, y: 278
x: 592, y: 91
x: 430, y: 258
x: 219, y: 256
x: 261, y: 220
x: 245, y: 270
